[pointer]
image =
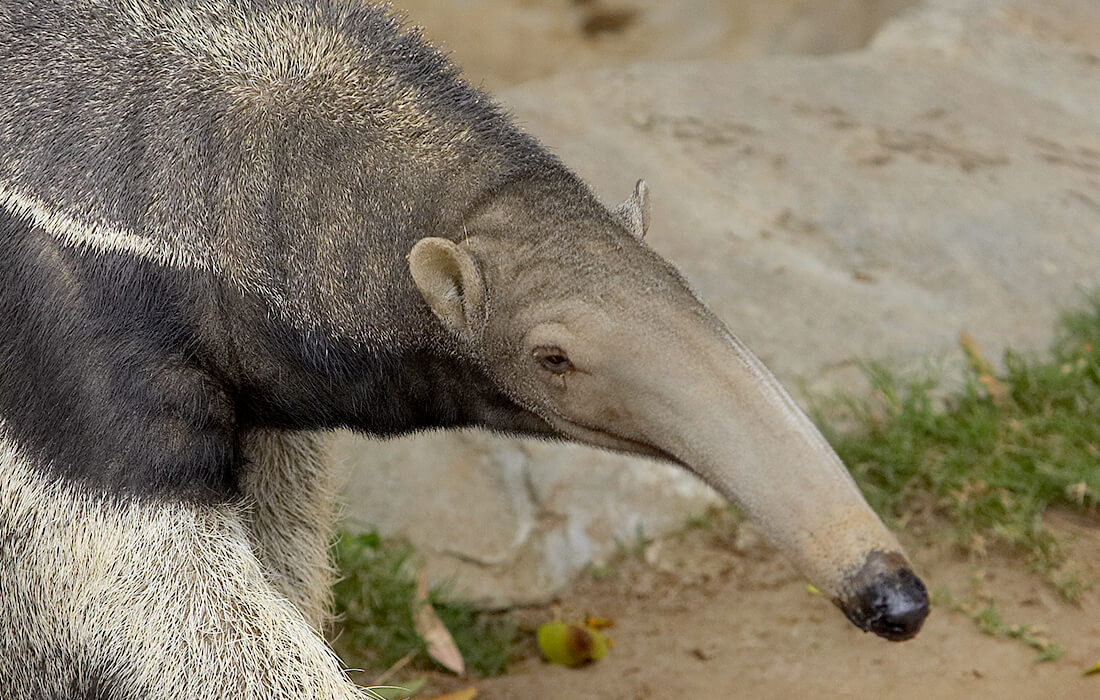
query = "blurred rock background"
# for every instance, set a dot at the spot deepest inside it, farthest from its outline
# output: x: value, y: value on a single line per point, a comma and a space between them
x: 840, y: 181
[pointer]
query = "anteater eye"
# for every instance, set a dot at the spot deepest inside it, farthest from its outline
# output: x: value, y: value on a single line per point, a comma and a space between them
x: 553, y: 359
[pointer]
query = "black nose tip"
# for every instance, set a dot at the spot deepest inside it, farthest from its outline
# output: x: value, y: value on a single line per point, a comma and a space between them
x: 896, y: 606
x: 892, y: 604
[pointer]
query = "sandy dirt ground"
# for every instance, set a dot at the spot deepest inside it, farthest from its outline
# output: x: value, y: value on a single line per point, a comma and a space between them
x: 713, y: 614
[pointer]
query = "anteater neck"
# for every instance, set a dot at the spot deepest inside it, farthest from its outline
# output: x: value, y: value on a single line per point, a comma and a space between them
x: 136, y: 378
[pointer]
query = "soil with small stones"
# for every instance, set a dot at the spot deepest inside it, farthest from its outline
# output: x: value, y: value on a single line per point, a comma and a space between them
x: 716, y: 613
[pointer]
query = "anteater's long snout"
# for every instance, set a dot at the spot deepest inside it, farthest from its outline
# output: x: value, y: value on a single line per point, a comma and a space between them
x: 722, y: 414
x: 886, y: 598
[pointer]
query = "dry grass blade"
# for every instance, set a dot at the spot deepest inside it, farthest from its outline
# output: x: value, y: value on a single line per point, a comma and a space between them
x: 998, y: 392
x: 397, y: 666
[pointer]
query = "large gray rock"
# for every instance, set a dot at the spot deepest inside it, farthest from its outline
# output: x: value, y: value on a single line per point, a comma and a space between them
x: 505, y: 42
x: 872, y: 204
x: 509, y: 520
x: 1051, y: 49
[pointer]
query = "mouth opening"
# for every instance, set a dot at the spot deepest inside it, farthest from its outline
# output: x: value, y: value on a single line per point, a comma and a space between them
x: 608, y: 440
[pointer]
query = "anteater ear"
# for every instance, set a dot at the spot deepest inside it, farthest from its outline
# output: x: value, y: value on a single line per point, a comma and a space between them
x: 634, y: 212
x: 448, y: 278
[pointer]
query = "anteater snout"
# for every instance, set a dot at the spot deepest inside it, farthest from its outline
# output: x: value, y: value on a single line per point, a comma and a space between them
x: 886, y: 598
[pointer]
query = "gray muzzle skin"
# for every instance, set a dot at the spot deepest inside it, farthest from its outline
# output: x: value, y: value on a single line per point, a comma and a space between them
x: 886, y: 598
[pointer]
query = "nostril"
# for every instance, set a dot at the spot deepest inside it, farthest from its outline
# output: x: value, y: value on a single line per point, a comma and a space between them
x: 892, y: 604
x: 901, y: 608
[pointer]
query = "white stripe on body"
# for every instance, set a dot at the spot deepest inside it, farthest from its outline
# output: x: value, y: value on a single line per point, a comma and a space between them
x: 98, y: 236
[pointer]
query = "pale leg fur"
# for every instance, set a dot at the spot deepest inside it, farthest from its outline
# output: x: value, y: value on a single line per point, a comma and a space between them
x: 290, y: 496
x: 123, y: 600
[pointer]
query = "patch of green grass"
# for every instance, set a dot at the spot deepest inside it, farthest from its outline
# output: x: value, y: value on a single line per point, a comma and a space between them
x: 487, y: 642
x: 988, y: 619
x: 993, y: 454
x: 374, y: 600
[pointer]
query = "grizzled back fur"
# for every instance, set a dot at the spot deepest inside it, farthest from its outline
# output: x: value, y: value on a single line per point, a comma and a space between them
x: 205, y: 213
x: 205, y: 209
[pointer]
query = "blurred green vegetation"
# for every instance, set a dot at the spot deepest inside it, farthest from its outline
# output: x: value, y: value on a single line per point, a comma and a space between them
x: 991, y: 455
x: 375, y: 599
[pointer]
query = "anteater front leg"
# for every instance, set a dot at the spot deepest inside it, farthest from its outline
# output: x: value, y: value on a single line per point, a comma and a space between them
x: 118, y: 598
x: 287, y: 483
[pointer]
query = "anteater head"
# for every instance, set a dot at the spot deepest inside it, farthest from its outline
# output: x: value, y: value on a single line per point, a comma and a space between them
x: 579, y: 322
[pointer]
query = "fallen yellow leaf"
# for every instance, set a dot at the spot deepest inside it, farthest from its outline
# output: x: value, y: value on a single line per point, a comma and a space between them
x: 1094, y: 669
x: 464, y: 694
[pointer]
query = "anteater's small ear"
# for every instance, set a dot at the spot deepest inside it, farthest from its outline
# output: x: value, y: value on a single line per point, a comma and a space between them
x: 634, y: 212
x: 450, y: 281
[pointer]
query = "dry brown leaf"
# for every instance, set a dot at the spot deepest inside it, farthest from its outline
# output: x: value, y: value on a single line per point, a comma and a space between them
x: 441, y: 645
